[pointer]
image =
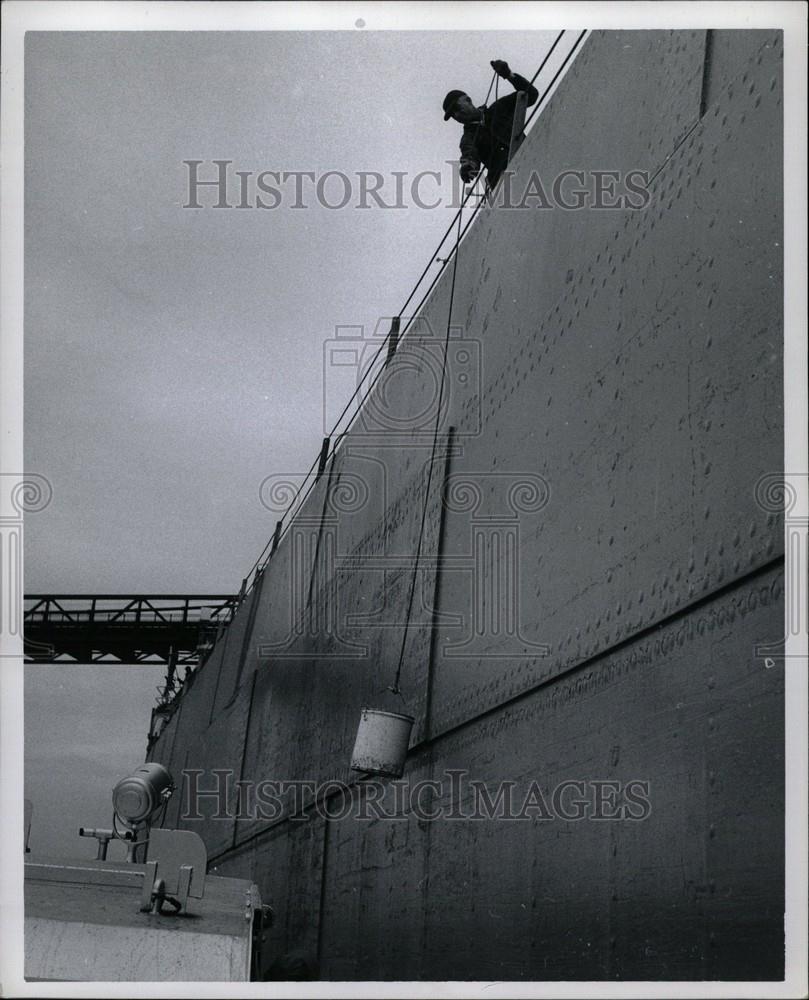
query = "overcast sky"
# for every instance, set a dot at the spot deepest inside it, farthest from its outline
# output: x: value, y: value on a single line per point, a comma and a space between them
x: 174, y: 358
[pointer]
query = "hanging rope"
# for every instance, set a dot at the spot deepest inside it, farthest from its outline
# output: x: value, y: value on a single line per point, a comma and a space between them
x: 395, y: 686
x: 548, y: 54
x: 492, y: 83
x: 556, y: 75
x: 300, y: 491
x: 481, y: 123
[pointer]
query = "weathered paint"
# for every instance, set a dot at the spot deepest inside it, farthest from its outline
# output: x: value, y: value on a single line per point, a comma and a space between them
x: 382, y: 742
x: 596, y: 571
x: 92, y: 928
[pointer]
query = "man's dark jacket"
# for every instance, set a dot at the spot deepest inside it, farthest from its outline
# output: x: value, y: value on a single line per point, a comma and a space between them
x: 489, y: 141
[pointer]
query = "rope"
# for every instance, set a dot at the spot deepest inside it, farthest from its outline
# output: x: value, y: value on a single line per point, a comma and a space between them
x: 493, y: 79
x: 435, y: 254
x: 565, y: 61
x: 376, y: 356
x: 548, y: 55
x: 257, y: 563
x: 450, y: 226
x: 454, y: 253
x: 395, y: 688
x: 384, y: 343
x: 426, y: 295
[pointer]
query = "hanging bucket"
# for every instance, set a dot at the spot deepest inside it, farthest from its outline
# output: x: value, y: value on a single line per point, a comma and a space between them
x: 382, y: 740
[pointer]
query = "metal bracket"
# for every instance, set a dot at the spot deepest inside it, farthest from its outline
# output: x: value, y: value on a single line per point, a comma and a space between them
x: 393, y: 338
x: 263, y: 917
x: 517, y: 125
x: 324, y: 456
x: 155, y: 895
x: 28, y: 813
x: 102, y: 836
x: 175, y: 870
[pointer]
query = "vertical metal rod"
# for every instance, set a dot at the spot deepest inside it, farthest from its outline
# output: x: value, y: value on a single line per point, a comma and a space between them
x: 706, y: 69
x: 393, y: 338
x: 245, y: 742
x: 248, y: 635
x: 324, y: 457
x: 171, y: 671
x: 322, y: 901
x: 517, y: 125
x: 442, y: 516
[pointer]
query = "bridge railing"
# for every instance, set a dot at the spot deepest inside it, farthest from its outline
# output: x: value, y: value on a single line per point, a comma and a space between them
x: 110, y: 609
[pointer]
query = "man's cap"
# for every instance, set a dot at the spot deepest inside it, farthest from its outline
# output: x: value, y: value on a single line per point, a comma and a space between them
x: 449, y: 102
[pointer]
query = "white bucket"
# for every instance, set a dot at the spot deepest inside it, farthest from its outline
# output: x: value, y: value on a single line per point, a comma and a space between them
x: 381, y: 744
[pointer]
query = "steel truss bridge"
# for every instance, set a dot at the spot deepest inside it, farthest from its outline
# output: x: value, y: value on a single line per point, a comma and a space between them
x: 178, y: 631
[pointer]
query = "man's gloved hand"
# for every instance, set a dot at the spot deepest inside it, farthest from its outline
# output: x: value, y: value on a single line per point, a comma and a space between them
x: 501, y: 67
x: 468, y: 171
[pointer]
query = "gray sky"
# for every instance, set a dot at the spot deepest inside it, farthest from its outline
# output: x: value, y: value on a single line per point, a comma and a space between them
x: 85, y: 728
x: 174, y: 358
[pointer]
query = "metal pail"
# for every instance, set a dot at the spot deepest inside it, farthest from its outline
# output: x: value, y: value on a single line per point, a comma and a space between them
x: 381, y: 744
